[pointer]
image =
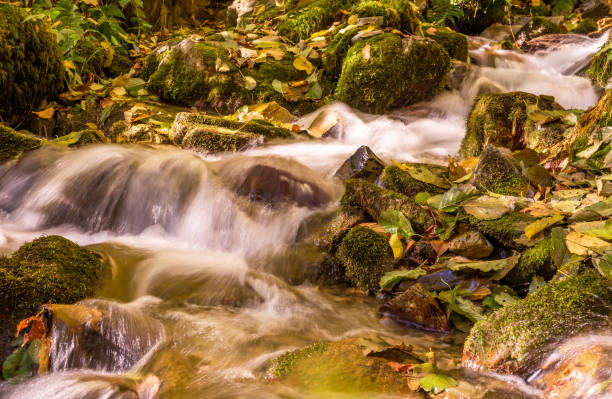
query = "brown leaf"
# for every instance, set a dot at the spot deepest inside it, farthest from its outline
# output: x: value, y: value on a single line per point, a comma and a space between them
x: 365, y: 52
x: 400, y: 367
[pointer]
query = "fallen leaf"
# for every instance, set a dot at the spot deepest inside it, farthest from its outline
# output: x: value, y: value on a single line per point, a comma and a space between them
x: 437, y: 382
x: 302, y: 64
x: 486, y: 207
x: 542, y: 224
x: 118, y: 92
x: 45, y: 114
x: 249, y: 83
x: 221, y: 66
x: 582, y: 244
x: 390, y: 279
x: 396, y: 246
x: 365, y: 52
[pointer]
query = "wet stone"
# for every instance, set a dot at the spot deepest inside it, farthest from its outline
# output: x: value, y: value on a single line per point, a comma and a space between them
x: 414, y: 308
x: 363, y: 164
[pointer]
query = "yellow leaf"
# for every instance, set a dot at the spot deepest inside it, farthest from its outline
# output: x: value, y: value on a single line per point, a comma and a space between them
x: 396, y: 246
x: 45, y: 114
x: 249, y: 83
x: 302, y: 64
x: 542, y: 224
x: 431, y: 31
x: 118, y: 92
x: 581, y: 244
x: 275, y: 52
x: 69, y: 65
x: 352, y: 19
x: 96, y: 87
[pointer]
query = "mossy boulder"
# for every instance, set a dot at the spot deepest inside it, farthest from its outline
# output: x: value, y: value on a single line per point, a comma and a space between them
x: 398, y: 14
x: 535, y: 261
x: 50, y: 269
x: 366, y: 256
x: 339, y: 45
x: 585, y: 26
x: 497, y: 172
x: 454, y: 43
x: 395, y: 179
x: 479, y: 14
x: 81, y: 138
x: 310, y: 18
x: 536, y: 27
x: 601, y: 65
x: 201, y: 73
x: 31, y: 63
x: 499, y: 119
x: 340, y: 367
x: 399, y: 71
x: 13, y: 144
x: 375, y: 200
x: 214, y: 134
x: 515, y: 338
x: 506, y: 229
x: 543, y: 134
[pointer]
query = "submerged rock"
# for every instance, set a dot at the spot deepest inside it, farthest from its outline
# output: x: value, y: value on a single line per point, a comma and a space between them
x: 496, y: 172
x: 499, y: 119
x: 363, y: 164
x: 397, y: 71
x: 415, y: 308
x: 31, y: 62
x: 515, y: 338
x: 13, y: 144
x: 214, y: 134
x: 366, y: 255
x: 339, y: 367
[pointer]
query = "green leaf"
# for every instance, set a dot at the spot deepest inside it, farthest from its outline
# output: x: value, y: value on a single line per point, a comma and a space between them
x: 426, y: 175
x: 537, y: 282
x: 315, y: 91
x: 559, y: 252
x: 486, y: 207
x: 489, y: 302
x: 603, y: 265
x: 603, y: 232
x: 394, y: 222
x: 437, y: 382
x: 457, y: 194
x: 542, y: 224
x: 279, y: 86
x: 17, y: 364
x: 485, y: 266
x: 462, y: 306
x: 390, y: 279
x: 421, y: 197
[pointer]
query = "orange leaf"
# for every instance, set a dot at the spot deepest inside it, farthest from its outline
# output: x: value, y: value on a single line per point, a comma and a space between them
x: 365, y: 52
x: 45, y: 114
x: 400, y: 367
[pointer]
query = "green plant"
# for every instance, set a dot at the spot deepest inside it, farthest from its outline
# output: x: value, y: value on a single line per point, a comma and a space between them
x: 444, y: 12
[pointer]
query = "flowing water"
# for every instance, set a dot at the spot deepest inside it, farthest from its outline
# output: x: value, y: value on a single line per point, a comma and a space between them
x: 208, y: 286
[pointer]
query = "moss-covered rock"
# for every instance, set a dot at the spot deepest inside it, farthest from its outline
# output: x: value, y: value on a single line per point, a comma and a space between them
x: 585, y: 26
x: 399, y: 71
x: 601, y: 65
x: 535, y: 261
x: 310, y: 18
x: 537, y: 26
x: 81, y: 138
x: 366, y: 256
x: 214, y: 134
x: 496, y: 172
x: 499, y: 119
x: 479, y: 14
x: 375, y: 200
x: 395, y: 179
x: 338, y: 47
x: 454, y: 43
x: 398, y: 14
x: 516, y: 337
x: 13, y: 144
x: 31, y: 63
x: 339, y: 367
x: 540, y: 136
x: 140, y: 133
x: 506, y: 229
x: 201, y: 72
x: 50, y: 269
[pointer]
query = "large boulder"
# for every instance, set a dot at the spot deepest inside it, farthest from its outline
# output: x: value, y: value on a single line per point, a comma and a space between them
x: 202, y: 73
x: 454, y: 43
x: 398, y: 14
x: 309, y: 18
x: 497, y: 172
x: 389, y: 71
x: 50, y: 269
x: 515, y: 338
x: 499, y: 119
x: 13, y: 144
x: 31, y: 63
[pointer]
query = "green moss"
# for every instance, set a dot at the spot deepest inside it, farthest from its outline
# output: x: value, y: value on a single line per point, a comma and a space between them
x: 314, y: 16
x: 496, y: 172
x: 375, y: 200
x: 537, y: 26
x: 366, y: 255
x: 586, y: 26
x: 534, y: 261
x: 92, y: 56
x: 479, y: 14
x: 13, y: 144
x: 338, y: 47
x: 516, y: 337
x: 31, y: 63
x: 505, y: 229
x: 120, y: 65
x: 541, y: 137
x: 499, y: 119
x: 454, y: 43
x: 81, y: 138
x: 340, y: 368
x: 284, y: 364
x: 398, y: 14
x: 393, y: 178
x: 400, y: 71
x: 601, y: 65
